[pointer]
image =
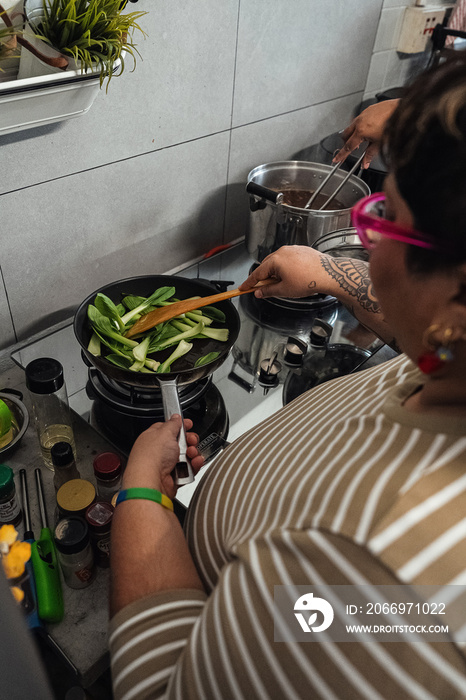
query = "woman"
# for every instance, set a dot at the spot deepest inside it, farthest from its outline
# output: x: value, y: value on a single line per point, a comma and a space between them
x: 359, y: 482
x: 367, y: 126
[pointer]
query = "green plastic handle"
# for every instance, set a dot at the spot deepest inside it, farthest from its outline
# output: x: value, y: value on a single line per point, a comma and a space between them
x: 47, y: 576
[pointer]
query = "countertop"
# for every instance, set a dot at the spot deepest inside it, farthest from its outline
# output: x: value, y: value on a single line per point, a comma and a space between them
x: 82, y: 635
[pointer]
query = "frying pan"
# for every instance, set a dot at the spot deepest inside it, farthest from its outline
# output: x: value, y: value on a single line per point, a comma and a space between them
x: 184, y: 372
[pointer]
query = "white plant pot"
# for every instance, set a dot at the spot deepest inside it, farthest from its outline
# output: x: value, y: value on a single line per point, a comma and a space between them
x: 30, y: 65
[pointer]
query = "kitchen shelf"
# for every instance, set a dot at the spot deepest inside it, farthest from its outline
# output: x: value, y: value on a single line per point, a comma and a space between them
x: 46, y: 99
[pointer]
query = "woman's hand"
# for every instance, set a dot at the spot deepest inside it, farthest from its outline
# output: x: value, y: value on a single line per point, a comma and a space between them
x: 298, y: 272
x: 155, y: 454
x: 367, y: 126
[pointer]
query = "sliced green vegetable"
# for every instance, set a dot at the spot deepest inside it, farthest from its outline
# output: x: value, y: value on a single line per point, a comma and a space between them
x: 110, y: 322
x: 107, y: 308
x: 182, y: 348
x: 140, y: 351
x: 181, y: 336
x: 205, y: 359
x: 220, y: 334
x: 119, y: 360
x: 160, y: 294
x: 137, y: 366
x: 214, y: 313
x: 94, y: 345
x: 195, y: 317
x: 151, y: 364
x: 104, y: 325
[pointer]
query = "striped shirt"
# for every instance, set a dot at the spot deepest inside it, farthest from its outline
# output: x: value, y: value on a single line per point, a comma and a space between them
x: 343, y: 486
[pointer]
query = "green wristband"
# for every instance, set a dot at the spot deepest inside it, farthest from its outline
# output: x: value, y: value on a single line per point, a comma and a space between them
x: 146, y: 494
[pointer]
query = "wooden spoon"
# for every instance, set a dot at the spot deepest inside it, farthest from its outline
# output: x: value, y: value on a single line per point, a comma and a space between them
x: 165, y: 313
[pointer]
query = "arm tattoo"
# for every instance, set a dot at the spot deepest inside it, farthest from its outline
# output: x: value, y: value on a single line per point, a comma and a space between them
x: 353, y: 278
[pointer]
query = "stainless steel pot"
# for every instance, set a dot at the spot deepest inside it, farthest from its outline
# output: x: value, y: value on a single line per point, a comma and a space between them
x: 273, y: 224
x: 344, y: 243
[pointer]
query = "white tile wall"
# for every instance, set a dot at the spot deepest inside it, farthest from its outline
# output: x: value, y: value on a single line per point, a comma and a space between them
x: 152, y: 177
x: 389, y: 28
x: 389, y: 68
x: 7, y: 334
x: 294, y: 56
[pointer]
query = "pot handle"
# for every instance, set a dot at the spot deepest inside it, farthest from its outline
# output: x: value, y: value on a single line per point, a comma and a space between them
x: 264, y: 193
x: 171, y: 405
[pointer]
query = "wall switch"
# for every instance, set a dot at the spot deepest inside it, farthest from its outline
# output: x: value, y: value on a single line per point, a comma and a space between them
x: 417, y: 28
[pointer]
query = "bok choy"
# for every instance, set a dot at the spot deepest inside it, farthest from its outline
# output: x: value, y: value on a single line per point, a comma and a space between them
x: 110, y: 321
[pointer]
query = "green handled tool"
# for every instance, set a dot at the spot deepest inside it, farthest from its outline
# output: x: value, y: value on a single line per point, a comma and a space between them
x: 46, y: 568
x: 29, y: 602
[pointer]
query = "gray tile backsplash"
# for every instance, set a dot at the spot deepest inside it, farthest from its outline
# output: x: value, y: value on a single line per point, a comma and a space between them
x: 293, y: 55
x: 153, y: 176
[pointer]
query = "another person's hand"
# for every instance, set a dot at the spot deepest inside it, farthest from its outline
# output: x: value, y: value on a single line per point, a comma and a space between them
x: 367, y: 126
x: 155, y: 454
x: 298, y: 272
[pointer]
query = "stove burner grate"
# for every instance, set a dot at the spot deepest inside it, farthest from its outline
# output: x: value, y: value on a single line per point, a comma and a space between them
x: 122, y: 414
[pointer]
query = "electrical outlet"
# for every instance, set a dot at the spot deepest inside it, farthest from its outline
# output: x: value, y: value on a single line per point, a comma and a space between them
x: 417, y: 28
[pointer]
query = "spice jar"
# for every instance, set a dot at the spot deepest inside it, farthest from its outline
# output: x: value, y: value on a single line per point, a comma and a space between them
x: 63, y: 463
x: 51, y: 412
x: 74, y: 550
x: 74, y: 497
x: 10, y: 510
x: 108, y: 473
x: 99, y: 519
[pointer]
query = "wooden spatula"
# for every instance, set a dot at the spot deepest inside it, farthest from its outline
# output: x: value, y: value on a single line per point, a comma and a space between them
x: 165, y: 313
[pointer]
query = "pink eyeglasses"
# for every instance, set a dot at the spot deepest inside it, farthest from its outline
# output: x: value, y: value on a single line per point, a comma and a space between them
x: 368, y: 218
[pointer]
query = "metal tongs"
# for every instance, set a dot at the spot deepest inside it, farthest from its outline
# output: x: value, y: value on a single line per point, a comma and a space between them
x: 342, y: 183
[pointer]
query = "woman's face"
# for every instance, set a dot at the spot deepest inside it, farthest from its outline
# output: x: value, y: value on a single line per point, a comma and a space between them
x: 409, y: 301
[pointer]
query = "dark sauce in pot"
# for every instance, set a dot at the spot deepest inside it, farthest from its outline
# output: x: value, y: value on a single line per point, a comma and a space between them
x: 299, y: 198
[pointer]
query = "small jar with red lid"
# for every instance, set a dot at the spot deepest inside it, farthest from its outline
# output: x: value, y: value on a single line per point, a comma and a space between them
x: 108, y: 473
x: 99, y: 519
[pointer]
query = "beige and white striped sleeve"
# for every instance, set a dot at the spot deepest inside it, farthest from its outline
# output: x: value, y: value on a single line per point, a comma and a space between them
x: 146, y: 640
x: 224, y: 648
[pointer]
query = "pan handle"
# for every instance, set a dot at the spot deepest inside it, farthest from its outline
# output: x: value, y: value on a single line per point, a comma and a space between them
x: 171, y: 405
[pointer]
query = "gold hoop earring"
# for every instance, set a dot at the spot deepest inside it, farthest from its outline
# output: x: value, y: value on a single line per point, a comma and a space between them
x: 439, y: 349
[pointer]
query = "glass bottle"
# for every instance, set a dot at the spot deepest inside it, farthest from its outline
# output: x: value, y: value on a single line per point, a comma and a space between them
x: 51, y: 412
x: 10, y: 510
x: 63, y: 463
x: 74, y: 550
x: 108, y: 473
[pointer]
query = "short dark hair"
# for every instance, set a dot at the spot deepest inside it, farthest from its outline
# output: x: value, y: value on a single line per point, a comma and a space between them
x: 425, y: 148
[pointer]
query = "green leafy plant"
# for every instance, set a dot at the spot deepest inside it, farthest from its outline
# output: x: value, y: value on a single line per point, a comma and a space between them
x: 8, y: 38
x: 91, y: 32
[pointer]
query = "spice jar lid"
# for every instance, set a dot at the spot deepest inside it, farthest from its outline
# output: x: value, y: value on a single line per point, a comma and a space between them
x: 44, y: 375
x: 75, y: 495
x: 7, y: 481
x: 71, y: 535
x: 62, y: 454
x: 99, y: 516
x: 107, y: 465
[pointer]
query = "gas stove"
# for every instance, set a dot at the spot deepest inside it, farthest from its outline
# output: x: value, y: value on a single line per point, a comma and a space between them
x: 270, y: 364
x: 121, y: 412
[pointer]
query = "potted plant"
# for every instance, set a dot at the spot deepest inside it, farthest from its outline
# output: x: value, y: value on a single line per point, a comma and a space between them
x: 92, y: 35
x: 10, y: 28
